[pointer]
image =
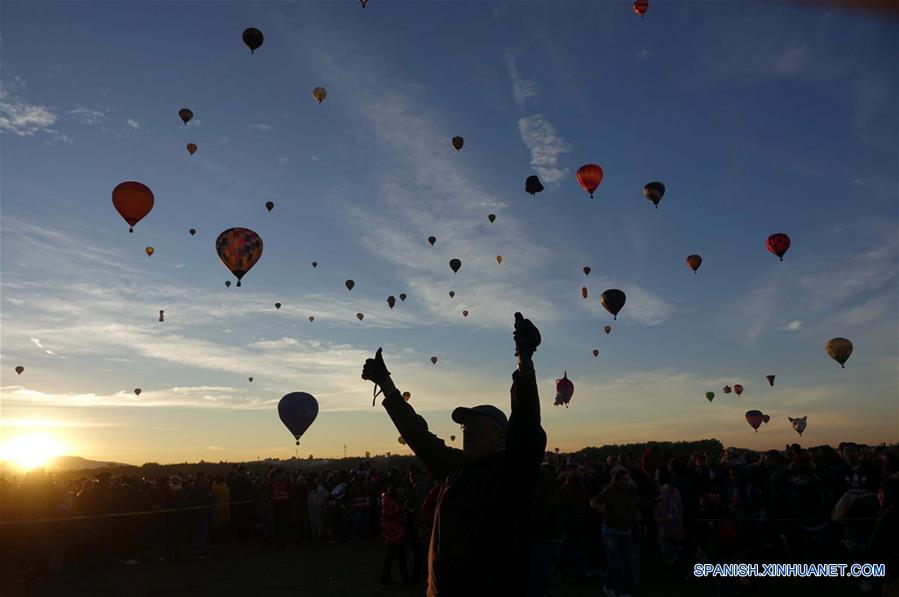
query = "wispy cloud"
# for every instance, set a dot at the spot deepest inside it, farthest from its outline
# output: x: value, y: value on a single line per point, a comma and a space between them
x: 133, y: 124
x: 522, y: 89
x: 793, y: 326
x: 262, y: 127
x: 87, y: 115
x: 19, y: 117
x: 545, y: 145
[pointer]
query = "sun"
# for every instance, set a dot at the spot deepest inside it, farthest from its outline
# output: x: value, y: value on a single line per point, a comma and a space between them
x: 30, y: 451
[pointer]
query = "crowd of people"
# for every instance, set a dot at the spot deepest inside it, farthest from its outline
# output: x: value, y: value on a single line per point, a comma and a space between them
x: 589, y: 518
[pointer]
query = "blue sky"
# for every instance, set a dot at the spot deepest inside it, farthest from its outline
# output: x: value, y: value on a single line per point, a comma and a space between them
x: 759, y: 118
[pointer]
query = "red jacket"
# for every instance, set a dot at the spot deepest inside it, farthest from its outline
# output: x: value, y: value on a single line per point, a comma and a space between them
x: 392, y: 520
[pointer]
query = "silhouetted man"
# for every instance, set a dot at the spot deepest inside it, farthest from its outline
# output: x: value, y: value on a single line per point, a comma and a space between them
x: 479, y: 544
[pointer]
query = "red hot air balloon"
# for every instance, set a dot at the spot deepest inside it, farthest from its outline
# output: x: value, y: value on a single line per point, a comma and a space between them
x: 191, y: 148
x: 693, y: 262
x: 640, y: 7
x: 584, y: 291
x: 455, y: 265
x: 738, y: 389
x: 297, y: 411
x: 589, y: 176
x: 133, y: 201
x: 239, y: 249
x: 770, y: 379
x: 613, y: 300
x: 755, y: 418
x: 564, y: 391
x: 778, y: 244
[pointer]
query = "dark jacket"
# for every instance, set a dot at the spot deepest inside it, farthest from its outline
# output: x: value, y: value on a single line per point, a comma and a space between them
x: 479, y: 545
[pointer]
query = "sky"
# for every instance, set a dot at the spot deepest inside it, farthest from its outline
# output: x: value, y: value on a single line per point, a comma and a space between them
x: 758, y: 117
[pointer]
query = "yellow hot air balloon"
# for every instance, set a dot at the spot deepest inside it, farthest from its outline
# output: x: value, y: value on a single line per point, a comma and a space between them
x: 319, y: 93
x: 839, y: 350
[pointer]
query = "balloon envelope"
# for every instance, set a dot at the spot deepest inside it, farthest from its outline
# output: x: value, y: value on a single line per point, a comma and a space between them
x: 587, y: 270
x: 492, y: 218
x: 269, y: 205
x: 798, y: 423
x: 455, y: 264
x: 19, y: 369
x: 277, y: 305
x: 693, y: 262
x: 738, y: 389
x: 839, y: 350
x: 607, y: 329
x: 360, y: 316
x: 319, y: 93
x: 755, y: 418
x: 641, y: 6
x: 403, y: 297
x: 533, y: 185
x: 584, y: 291
x: 464, y: 313
x: 185, y: 114
x: 778, y: 244
x: 133, y: 201
x: 192, y: 231
x: 407, y: 396
x: 458, y: 142
x: 710, y: 396
x: 433, y: 360
x: 770, y: 379
x: 297, y: 411
x: 432, y: 240
x: 149, y: 251
x: 499, y: 258
x: 349, y: 285
x: 589, y: 176
x: 654, y: 191
x: 137, y: 391
x: 253, y: 38
x: 613, y: 300
x: 595, y: 352
x: 191, y: 148
x: 239, y: 249
x: 564, y: 390
x: 391, y: 301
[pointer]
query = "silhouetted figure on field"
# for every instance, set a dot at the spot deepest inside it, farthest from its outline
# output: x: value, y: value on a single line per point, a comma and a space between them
x: 479, y: 544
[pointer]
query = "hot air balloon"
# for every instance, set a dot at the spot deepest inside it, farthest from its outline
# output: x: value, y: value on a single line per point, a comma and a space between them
x: 433, y: 360
x: 192, y: 231
x: 595, y: 352
x: 693, y: 262
x: 360, y: 316
x: 161, y: 315
x: 654, y: 191
x: 432, y: 240
x: 227, y: 283
x: 311, y: 318
x: 452, y: 294
x: 457, y: 143
x: 277, y: 305
x: 491, y: 217
x: 319, y: 94
x: 564, y: 391
x: 191, y: 148
x: 754, y: 418
x: 455, y: 264
x: 452, y: 438
x: 640, y: 7
x: 349, y: 285
x: 253, y: 38
x: 584, y: 291
x: 19, y: 369
x: 587, y: 270
x: 133, y: 201
x: 269, y: 205
x: 499, y: 259
x: 185, y: 114
x: 607, y: 329
x: 251, y: 379
x: 363, y: 2
x: 407, y: 396
x: 770, y: 379
x: 766, y: 418
x: 738, y: 389
x: 589, y: 176
x: 726, y: 389
x: 839, y: 350
x: 137, y: 391
x: 799, y: 424
x: 149, y: 251
x: 464, y: 313
x: 403, y: 296
x: 314, y: 264
x: 613, y: 300
x: 532, y: 185
x: 391, y: 301
x: 710, y: 396
x: 401, y: 440
x: 778, y: 244
x: 239, y: 249
x: 297, y: 411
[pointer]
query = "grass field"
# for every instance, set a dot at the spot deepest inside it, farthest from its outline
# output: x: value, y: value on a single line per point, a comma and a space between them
x: 349, y: 570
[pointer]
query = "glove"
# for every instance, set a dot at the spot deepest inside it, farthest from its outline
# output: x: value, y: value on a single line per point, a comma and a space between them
x: 527, y: 336
x: 375, y: 370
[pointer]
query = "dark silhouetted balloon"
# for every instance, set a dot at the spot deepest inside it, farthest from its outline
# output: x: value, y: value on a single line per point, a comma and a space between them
x: 403, y: 296
x: 766, y: 418
x: 360, y: 316
x: 607, y: 329
x: 19, y: 369
x: 133, y: 201
x: 432, y: 240
x: 587, y: 270
x: 192, y: 231
x: 755, y: 418
x: 710, y: 396
x: 239, y: 249
x: 464, y: 313
x: 277, y: 305
x: 297, y: 411
x: 407, y: 396
x: 251, y: 379
x: 613, y: 300
x: 595, y: 352
x: 693, y: 262
x: 564, y: 391
x: 269, y: 205
x: 161, y: 315
x: 584, y: 291
x: 433, y: 360
x: 137, y: 391
x: 799, y: 424
x: 839, y: 350
x: 191, y: 148
x: 778, y: 244
x: 452, y: 438
x: 654, y: 191
x: 185, y: 114
x: 640, y: 7
x: 452, y: 294
x: 391, y: 301
x: 349, y: 285
x: 458, y: 142
x: 589, y: 176
x: 532, y: 185
x: 738, y: 389
x: 319, y: 93
x: 770, y: 379
x: 401, y: 440
x: 455, y: 264
x: 314, y: 264
x: 311, y: 318
x: 492, y: 218
x: 253, y: 38
x: 726, y: 389
x: 227, y: 283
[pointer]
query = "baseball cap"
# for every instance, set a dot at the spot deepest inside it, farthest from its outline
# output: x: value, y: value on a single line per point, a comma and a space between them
x: 463, y: 414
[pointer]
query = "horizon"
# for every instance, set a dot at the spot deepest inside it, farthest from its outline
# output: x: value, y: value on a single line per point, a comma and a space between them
x: 793, y: 133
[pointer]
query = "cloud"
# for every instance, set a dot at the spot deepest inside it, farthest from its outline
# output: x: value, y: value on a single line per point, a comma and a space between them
x: 545, y: 146
x: 263, y: 128
x: 642, y: 306
x: 21, y: 118
x: 522, y: 89
x: 133, y: 124
x: 87, y: 115
x: 793, y: 326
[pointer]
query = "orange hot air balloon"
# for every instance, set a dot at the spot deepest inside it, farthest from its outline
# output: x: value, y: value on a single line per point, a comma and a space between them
x: 191, y: 148
x: 185, y: 114
x: 433, y: 360
x: 607, y: 329
x: 738, y: 389
x: 149, y: 251
x: 640, y: 7
x: 770, y: 379
x: 464, y: 313
x: 19, y: 369
x: 457, y: 143
x: 595, y: 352
x: 349, y: 285
x: 360, y: 316
x: 778, y: 244
x: 584, y: 291
x: 589, y: 176
x: 319, y: 94
x: 239, y: 249
x: 133, y: 201
x: 693, y: 262
x: 499, y: 259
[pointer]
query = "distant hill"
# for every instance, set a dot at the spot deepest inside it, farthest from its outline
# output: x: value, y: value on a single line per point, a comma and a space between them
x: 64, y: 464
